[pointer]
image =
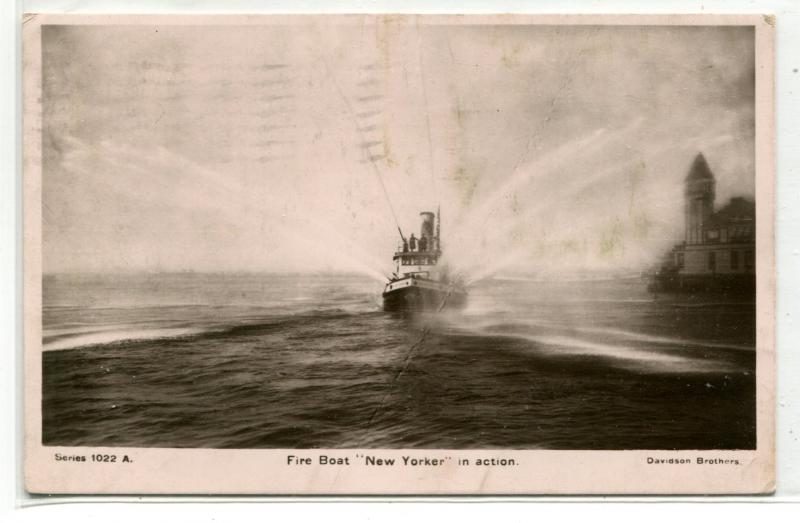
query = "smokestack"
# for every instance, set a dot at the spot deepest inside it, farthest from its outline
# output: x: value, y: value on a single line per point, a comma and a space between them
x: 436, y: 245
x: 427, y: 225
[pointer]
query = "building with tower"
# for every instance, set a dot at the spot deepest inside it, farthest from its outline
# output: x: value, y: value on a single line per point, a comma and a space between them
x: 718, y: 251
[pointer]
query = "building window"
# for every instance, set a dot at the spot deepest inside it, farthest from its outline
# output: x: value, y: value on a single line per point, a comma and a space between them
x: 735, y: 260
x: 679, y: 260
x: 749, y: 260
x: 712, y: 261
x: 713, y: 235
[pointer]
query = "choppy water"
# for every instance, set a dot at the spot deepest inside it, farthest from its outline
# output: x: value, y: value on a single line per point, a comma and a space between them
x: 299, y: 361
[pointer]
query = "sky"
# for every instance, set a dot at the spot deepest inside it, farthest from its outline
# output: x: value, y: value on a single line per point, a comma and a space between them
x: 293, y: 146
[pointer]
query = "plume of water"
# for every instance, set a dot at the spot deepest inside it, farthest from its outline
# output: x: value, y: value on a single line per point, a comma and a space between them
x: 199, y: 187
x: 477, y: 251
x: 595, y: 161
x: 543, y: 168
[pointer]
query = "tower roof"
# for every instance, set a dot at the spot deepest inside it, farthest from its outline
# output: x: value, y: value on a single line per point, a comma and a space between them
x: 699, y: 169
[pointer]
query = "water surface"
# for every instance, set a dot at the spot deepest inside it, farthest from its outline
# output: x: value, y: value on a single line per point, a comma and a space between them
x: 305, y: 361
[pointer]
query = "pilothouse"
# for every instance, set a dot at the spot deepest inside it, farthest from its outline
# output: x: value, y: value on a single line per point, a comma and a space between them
x: 419, y: 280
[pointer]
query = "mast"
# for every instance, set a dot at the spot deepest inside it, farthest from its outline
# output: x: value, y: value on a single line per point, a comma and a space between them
x: 375, y: 168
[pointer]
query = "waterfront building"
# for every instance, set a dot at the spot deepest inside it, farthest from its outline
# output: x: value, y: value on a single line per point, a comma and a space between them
x: 718, y: 251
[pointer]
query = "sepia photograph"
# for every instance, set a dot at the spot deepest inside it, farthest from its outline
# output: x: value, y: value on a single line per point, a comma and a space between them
x: 397, y: 232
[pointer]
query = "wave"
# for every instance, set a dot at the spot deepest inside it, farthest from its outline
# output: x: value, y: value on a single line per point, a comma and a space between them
x: 579, y: 346
x: 559, y: 328
x: 637, y: 336
x: 51, y: 334
x: 62, y: 338
x: 119, y: 336
x: 560, y: 342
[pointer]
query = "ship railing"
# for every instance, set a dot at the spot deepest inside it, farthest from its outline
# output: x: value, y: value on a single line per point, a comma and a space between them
x: 406, y: 249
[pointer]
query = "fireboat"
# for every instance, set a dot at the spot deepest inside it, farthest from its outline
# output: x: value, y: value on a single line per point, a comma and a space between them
x: 419, y: 282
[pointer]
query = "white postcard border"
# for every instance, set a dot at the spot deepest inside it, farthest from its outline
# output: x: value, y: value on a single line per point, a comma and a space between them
x: 213, y: 471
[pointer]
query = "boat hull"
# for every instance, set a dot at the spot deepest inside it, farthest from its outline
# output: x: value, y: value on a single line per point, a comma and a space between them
x: 422, y: 294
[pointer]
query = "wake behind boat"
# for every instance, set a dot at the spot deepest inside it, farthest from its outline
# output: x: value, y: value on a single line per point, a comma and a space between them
x: 419, y: 281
